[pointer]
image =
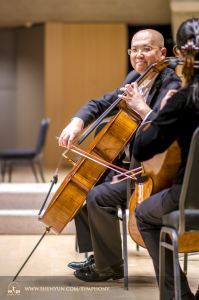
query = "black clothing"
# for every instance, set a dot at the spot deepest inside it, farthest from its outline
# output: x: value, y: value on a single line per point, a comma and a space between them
x: 103, y: 230
x: 149, y: 221
x: 98, y: 220
x: 165, y: 81
x: 176, y: 121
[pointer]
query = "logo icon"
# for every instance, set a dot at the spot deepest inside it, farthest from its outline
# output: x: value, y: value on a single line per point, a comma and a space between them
x: 13, y: 289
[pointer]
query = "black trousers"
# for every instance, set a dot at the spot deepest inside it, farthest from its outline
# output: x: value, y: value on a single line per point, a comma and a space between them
x: 149, y: 221
x: 97, y: 224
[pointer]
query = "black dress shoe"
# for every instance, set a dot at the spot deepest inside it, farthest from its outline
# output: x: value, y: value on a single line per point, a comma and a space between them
x: 91, y: 274
x: 79, y: 265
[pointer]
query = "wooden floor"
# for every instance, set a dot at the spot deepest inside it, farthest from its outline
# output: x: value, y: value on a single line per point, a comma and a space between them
x: 48, y: 268
x: 46, y: 275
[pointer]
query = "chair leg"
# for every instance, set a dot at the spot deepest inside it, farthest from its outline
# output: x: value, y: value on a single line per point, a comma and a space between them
x: 1, y: 163
x: 76, y: 243
x: 34, y: 171
x: 176, y: 266
x: 3, y: 170
x: 41, y: 172
x: 185, y: 263
x: 162, y: 264
x: 186, y: 255
x: 125, y: 249
x: 174, y: 248
x: 10, y: 172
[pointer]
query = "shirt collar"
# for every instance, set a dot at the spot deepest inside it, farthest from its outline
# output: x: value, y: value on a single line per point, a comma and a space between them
x: 149, y: 84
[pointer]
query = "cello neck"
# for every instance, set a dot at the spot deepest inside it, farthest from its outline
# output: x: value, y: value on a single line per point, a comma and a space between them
x: 156, y: 67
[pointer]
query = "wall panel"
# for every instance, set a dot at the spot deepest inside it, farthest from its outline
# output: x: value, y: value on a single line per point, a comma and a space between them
x: 82, y: 62
x: 30, y: 84
x: 7, y: 90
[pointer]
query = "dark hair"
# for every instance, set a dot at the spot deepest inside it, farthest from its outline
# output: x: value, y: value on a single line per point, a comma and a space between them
x: 189, y: 30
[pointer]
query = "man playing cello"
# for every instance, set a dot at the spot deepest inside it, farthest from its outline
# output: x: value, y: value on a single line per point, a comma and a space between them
x: 97, y: 224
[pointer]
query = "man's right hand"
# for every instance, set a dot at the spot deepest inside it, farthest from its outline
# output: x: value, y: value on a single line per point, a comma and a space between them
x: 70, y: 133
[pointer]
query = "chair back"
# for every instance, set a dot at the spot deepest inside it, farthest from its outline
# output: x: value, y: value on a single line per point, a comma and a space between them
x: 189, y: 197
x: 41, y: 137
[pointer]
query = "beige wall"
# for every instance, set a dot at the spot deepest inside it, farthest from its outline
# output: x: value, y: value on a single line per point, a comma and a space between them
x: 82, y: 62
x: 181, y: 10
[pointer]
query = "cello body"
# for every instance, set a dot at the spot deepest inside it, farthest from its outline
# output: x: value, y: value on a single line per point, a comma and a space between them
x: 161, y: 169
x: 108, y: 145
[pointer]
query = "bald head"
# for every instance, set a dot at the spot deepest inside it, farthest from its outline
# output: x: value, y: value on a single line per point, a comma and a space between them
x: 147, y: 48
x: 155, y: 37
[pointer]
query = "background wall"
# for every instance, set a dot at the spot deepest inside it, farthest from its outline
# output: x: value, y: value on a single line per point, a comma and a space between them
x: 182, y: 10
x: 82, y: 62
x: 30, y: 84
x: 51, y: 70
x: 7, y: 89
x: 21, y: 86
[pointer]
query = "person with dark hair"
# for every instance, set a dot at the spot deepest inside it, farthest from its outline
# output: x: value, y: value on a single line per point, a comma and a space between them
x: 168, y: 126
x: 97, y: 224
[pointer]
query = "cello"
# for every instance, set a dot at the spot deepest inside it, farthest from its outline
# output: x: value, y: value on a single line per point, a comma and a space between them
x: 86, y: 173
x: 108, y: 145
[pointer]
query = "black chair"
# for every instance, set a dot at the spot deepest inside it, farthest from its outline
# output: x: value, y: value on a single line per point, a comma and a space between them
x: 10, y: 158
x: 184, y: 220
x: 122, y: 215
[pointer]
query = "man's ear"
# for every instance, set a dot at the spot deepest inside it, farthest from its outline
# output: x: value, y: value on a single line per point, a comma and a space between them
x: 164, y: 52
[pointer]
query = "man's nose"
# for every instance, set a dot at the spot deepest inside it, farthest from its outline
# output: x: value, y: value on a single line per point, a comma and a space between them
x: 139, y: 53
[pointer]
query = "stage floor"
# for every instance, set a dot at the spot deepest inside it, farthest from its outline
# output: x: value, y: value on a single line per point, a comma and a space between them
x: 46, y: 275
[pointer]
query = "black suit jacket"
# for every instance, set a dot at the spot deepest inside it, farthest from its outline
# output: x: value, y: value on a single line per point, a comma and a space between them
x: 165, y: 81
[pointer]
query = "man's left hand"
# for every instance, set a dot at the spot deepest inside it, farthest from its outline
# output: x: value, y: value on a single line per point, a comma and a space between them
x: 134, y: 99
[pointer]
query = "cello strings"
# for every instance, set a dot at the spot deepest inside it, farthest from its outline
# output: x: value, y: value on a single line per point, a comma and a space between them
x: 139, y: 81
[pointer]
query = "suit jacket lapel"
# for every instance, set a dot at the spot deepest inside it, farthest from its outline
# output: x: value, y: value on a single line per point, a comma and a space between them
x: 157, y: 83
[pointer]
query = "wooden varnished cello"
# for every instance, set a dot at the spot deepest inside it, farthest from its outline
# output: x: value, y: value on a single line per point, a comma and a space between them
x: 108, y: 145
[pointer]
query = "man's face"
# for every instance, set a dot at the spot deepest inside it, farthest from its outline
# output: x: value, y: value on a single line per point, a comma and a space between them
x: 142, y: 60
